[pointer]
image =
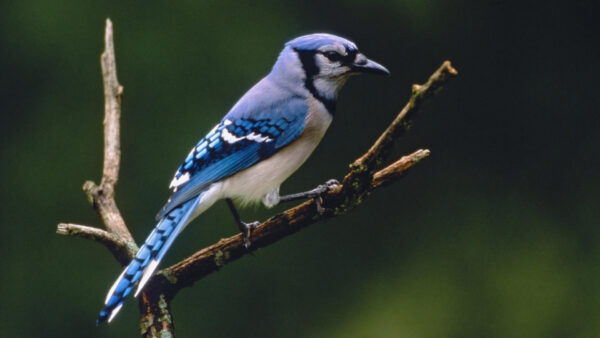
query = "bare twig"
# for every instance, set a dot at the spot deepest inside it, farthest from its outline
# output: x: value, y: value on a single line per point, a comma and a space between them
x: 401, y: 124
x: 114, y: 244
x: 113, y: 92
x: 102, y: 197
x: 362, y: 178
x: 358, y: 182
x: 395, y: 170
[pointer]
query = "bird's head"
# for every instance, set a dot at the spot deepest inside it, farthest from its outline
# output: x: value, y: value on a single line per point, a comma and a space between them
x: 322, y: 63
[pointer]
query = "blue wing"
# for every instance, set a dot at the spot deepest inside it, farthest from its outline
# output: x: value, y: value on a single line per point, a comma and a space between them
x: 248, y: 134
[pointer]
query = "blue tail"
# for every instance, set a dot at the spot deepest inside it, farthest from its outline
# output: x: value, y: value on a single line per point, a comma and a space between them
x: 147, y: 258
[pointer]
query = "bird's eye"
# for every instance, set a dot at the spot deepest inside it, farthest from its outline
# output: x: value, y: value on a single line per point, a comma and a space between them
x: 333, y: 56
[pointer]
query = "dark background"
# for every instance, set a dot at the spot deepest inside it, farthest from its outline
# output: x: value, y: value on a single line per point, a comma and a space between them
x: 496, y: 234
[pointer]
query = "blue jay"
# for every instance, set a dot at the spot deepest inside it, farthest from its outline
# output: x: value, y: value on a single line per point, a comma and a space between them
x: 263, y: 139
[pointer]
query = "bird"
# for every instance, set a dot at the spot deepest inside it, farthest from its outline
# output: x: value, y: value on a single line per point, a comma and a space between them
x: 265, y: 137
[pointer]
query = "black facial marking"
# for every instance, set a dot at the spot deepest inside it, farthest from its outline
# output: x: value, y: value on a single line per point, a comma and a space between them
x: 349, y: 58
x: 333, y: 56
x: 307, y: 58
x: 345, y: 60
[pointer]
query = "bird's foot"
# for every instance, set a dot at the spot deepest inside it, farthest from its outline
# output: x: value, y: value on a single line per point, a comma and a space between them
x: 320, y: 190
x: 315, y: 194
x: 246, y: 229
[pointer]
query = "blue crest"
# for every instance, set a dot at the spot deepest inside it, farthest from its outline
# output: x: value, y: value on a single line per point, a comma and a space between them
x: 315, y: 41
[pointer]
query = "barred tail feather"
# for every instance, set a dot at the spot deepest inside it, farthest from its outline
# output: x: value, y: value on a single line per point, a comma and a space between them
x: 147, y: 258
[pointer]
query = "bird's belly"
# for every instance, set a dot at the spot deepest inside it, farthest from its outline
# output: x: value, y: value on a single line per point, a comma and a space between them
x: 250, y: 185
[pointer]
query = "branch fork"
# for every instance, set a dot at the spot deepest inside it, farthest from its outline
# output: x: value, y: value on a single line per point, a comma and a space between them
x: 365, y: 175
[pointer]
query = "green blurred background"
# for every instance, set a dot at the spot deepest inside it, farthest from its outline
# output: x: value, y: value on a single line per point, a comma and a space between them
x: 495, y: 235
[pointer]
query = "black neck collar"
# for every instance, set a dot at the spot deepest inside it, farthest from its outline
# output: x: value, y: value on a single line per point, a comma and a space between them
x: 307, y: 58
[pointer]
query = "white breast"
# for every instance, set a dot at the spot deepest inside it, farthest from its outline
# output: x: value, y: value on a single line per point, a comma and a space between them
x: 250, y: 185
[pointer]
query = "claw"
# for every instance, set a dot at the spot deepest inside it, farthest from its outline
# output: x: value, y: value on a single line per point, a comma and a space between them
x: 323, y: 188
x: 320, y: 190
x: 316, y: 194
x: 247, y: 232
x: 245, y: 228
x: 319, y: 203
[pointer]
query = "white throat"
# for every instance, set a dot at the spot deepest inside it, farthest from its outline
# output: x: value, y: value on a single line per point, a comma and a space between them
x: 329, y: 88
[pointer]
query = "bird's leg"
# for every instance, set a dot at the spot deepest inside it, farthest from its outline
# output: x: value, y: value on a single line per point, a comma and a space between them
x: 245, y: 228
x: 315, y: 194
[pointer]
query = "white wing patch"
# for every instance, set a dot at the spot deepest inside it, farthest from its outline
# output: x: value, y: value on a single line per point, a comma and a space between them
x: 212, y: 131
x: 176, y: 182
x: 230, y: 138
x: 258, y: 137
x: 201, y: 149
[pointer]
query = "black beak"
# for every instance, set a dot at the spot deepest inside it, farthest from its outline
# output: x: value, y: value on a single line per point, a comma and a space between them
x: 364, y: 65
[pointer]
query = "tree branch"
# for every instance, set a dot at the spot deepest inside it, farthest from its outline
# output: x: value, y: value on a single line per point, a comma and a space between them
x: 356, y: 186
x: 113, y: 92
x: 119, y: 248
x: 210, y: 259
x: 363, y: 177
x: 402, y: 122
x: 102, y: 197
x: 396, y: 170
